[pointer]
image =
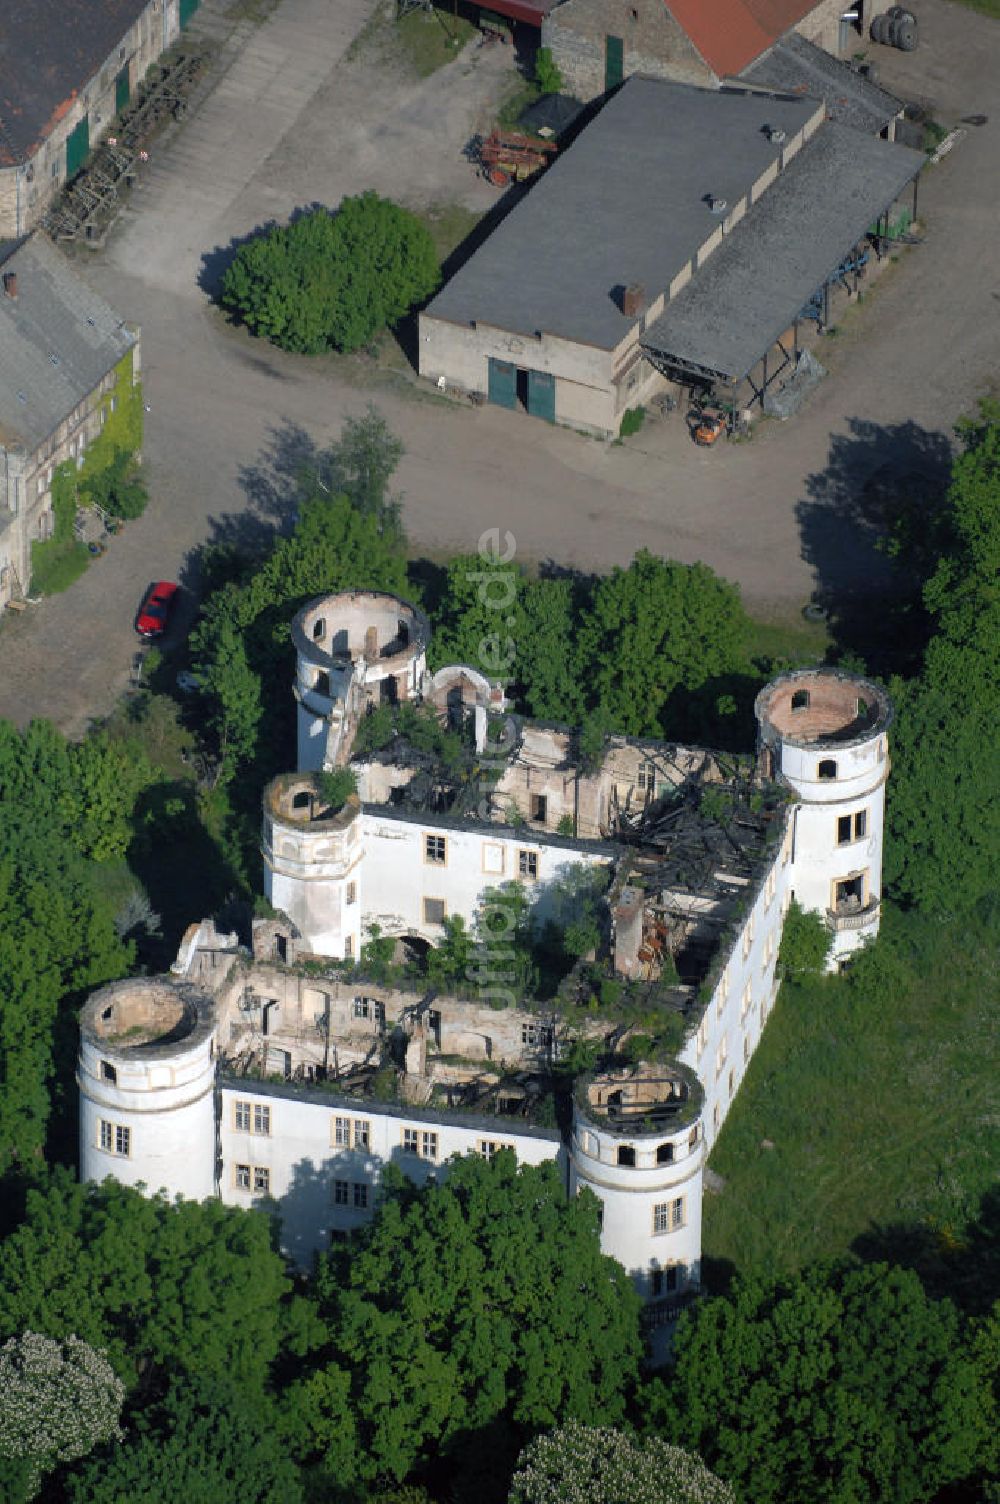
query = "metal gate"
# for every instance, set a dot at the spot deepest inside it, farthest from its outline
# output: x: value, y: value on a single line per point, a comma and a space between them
x: 502, y: 382
x: 121, y: 90
x: 542, y: 395
x: 614, y: 62
x: 77, y: 147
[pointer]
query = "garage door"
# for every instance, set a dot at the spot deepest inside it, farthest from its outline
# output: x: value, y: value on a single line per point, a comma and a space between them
x: 614, y: 62
x: 77, y: 147
x: 542, y: 395
x: 502, y: 383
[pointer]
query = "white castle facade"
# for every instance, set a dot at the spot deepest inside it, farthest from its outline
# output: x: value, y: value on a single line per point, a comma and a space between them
x: 282, y: 1075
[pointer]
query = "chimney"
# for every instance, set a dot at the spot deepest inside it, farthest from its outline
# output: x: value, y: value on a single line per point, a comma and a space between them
x: 633, y: 298
x: 10, y: 284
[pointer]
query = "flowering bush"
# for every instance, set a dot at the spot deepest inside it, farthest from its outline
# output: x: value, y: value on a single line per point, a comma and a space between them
x: 57, y: 1400
x: 597, y: 1465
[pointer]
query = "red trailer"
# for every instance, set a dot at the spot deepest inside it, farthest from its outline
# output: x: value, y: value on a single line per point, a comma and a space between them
x: 507, y: 156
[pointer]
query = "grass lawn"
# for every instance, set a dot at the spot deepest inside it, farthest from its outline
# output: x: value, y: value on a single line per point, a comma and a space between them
x: 56, y: 564
x: 879, y: 1098
x: 419, y: 43
x: 984, y: 7
x: 449, y: 225
x: 790, y: 638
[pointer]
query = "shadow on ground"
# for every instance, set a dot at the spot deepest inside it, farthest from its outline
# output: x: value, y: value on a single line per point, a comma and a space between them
x: 867, y: 521
x: 964, y: 1266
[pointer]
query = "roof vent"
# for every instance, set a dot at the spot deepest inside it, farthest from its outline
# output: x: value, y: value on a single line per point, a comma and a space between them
x: 775, y: 134
x: 633, y: 298
x: 717, y: 205
x: 10, y: 284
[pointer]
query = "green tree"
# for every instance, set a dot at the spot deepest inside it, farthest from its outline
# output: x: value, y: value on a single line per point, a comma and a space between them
x: 597, y: 1465
x: 58, y: 1400
x: 479, y: 622
x: 851, y: 1387
x: 550, y: 673
x: 177, y: 1289
x: 547, y: 74
x: 207, y: 1443
x: 805, y: 942
x: 481, y: 1299
x: 653, y: 629
x: 333, y: 280
x: 449, y: 962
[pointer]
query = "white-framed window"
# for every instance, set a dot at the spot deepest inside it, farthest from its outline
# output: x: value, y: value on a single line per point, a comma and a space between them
x: 241, y: 1117
x: 115, y: 1138
x: 668, y: 1216
x: 646, y: 777
x: 721, y: 1055
x: 362, y: 1133
x: 487, y: 1147
x: 360, y: 1196
x: 421, y: 1142
x: 241, y: 1177
x: 436, y: 850
x: 527, y: 865
x: 342, y: 1133
x: 340, y: 1191
x: 362, y: 1007
x: 261, y: 1180
x: 261, y: 1118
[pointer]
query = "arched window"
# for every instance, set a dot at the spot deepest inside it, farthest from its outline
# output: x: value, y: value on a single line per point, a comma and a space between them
x: 827, y: 768
x: 800, y: 699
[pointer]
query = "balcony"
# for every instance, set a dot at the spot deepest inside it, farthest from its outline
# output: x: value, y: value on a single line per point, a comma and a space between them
x: 853, y: 917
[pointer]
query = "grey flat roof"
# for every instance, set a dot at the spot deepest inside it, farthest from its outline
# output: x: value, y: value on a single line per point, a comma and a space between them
x: 57, y: 340
x: 789, y: 243
x: 795, y: 66
x: 625, y: 203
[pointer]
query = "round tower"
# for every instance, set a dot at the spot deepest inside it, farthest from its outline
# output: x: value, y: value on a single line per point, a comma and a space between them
x: 355, y: 649
x: 825, y: 733
x: 312, y: 864
x: 146, y: 1074
x: 638, y: 1144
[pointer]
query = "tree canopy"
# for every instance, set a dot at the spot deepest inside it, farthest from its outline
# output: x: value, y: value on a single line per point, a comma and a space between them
x: 479, y: 1300
x: 596, y: 1464
x: 333, y: 280
x: 851, y: 1387
x: 57, y: 1401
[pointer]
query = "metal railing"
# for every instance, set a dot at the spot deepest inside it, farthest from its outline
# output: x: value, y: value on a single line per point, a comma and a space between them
x: 853, y: 919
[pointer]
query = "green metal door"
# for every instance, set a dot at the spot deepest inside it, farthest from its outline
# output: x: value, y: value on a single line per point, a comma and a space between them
x: 78, y: 147
x: 502, y: 383
x: 121, y: 90
x: 542, y: 395
x: 614, y: 62
x: 188, y: 8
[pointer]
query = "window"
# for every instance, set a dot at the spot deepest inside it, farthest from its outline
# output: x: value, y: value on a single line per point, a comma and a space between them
x: 436, y: 850
x: 348, y: 947
x: 493, y: 858
x: 411, y: 1141
x: 108, y: 1072
x: 434, y: 911
x: 342, y: 1133
x: 115, y: 1139
x: 360, y: 1196
x: 241, y: 1117
x: 362, y: 1007
x: 746, y: 1049
x: 351, y: 895
x: 732, y: 1084
x: 301, y: 800
x: 261, y: 1180
x: 715, y: 1117
x: 340, y: 1193
x: 527, y: 864
x: 702, y: 1039
x: 242, y: 1177
x: 843, y: 829
x: 668, y: 1215
x: 362, y: 1133
x: 721, y: 1055
x: 677, y: 1212
x: 664, y: 1154
x: 748, y: 937
x: 693, y: 1137
x: 319, y: 629
x: 852, y: 828
x: 418, y: 1141
x: 860, y: 824
x: 626, y: 1154
x: 536, y: 1036
x: 827, y: 768
x: 800, y: 699
x: 723, y: 991
x: 261, y: 1118
x: 539, y: 808
x: 647, y: 776
x: 747, y: 998
x: 487, y: 1147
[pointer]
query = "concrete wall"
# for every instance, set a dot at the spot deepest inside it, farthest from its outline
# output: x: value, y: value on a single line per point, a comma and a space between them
x: 653, y: 43
x: 26, y: 191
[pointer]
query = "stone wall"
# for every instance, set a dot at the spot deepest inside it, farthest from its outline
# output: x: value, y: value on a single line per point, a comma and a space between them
x: 653, y: 43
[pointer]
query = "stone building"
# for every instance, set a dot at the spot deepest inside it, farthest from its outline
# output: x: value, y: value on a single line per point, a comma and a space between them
x: 66, y: 69
x: 598, y: 43
x: 65, y: 360
x: 284, y: 1074
x: 678, y: 239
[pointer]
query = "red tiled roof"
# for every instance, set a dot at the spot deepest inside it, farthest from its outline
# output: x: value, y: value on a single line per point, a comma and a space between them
x: 729, y: 34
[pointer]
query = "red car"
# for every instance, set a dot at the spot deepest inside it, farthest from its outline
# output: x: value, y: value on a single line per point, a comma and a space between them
x: 154, y: 613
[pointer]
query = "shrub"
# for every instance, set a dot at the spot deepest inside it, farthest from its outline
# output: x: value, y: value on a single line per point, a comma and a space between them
x: 337, y: 787
x: 547, y: 74
x: 632, y: 420
x: 333, y: 280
